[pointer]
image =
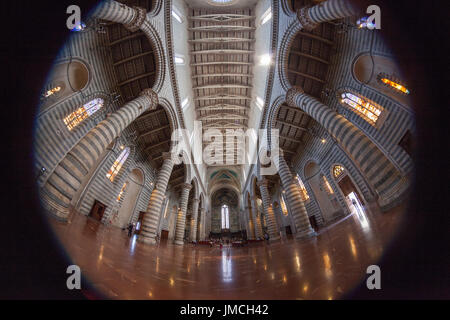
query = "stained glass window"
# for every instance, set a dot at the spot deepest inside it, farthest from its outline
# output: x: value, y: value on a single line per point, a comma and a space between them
x: 52, y: 91
x: 338, y: 171
x: 367, y: 110
x: 225, y: 217
x: 88, y: 109
x: 283, y: 206
x: 303, y: 192
x: 266, y: 16
x: 117, y: 165
x: 166, y: 209
x: 392, y: 83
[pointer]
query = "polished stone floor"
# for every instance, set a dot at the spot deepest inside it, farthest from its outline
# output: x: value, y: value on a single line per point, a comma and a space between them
x: 323, y: 267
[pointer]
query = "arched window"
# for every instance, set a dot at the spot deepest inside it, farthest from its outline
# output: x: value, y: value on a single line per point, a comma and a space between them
x: 179, y: 59
x: 366, y: 109
x: 283, y: 206
x: 303, y: 192
x: 88, y: 109
x: 338, y: 170
x: 392, y: 83
x: 166, y: 210
x: 117, y: 165
x: 266, y: 16
x: 225, y: 217
x: 52, y: 91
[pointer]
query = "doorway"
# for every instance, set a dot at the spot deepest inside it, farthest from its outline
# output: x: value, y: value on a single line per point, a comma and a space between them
x: 313, y: 223
x: 347, y: 187
x: 97, y: 211
x: 139, y: 222
x: 164, y: 236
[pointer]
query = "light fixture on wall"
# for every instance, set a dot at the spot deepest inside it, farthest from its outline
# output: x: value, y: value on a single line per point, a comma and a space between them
x: 363, y: 23
x: 80, y: 26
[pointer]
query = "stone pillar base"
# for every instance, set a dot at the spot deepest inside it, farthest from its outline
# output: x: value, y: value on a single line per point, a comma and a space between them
x: 179, y: 242
x: 277, y: 238
x: 146, y: 240
x: 305, y: 234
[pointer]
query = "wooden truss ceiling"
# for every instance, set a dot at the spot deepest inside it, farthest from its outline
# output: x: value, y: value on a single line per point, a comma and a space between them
x: 135, y: 70
x: 308, y: 63
x: 222, y: 50
x: 133, y: 61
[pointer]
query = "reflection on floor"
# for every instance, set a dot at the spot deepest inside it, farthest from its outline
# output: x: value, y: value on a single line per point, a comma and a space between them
x: 324, y: 267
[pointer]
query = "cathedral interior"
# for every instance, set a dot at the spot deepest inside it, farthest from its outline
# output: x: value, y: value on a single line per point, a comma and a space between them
x: 225, y: 149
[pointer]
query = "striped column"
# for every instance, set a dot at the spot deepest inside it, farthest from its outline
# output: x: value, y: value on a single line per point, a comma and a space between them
x: 311, y: 17
x: 387, y: 181
x: 268, y: 210
x: 149, y: 227
x: 65, y: 180
x: 257, y: 218
x: 293, y: 197
x: 194, y: 219
x: 181, y: 218
x: 131, y: 18
x: 202, y: 224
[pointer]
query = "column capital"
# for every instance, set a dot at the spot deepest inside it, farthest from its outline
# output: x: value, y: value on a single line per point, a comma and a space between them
x: 138, y: 19
x: 186, y: 186
x: 152, y: 96
x: 263, y: 182
x: 292, y: 93
x: 305, y: 20
x: 167, y: 156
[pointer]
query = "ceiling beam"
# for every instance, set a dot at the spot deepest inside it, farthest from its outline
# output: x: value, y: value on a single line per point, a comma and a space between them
x: 292, y: 108
x: 223, y: 106
x: 150, y: 114
x: 146, y: 133
x: 223, y: 115
x: 306, y: 55
x: 290, y: 139
x: 221, y: 85
x: 223, y: 51
x: 306, y: 75
x: 291, y: 124
x: 221, y: 28
x: 157, y: 145
x: 221, y: 17
x: 221, y: 40
x: 316, y: 37
x: 198, y: 64
x: 131, y: 36
x: 140, y: 55
x: 223, y: 97
x: 247, y: 75
x: 140, y: 76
